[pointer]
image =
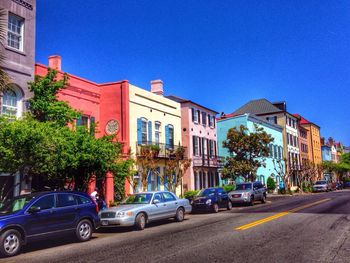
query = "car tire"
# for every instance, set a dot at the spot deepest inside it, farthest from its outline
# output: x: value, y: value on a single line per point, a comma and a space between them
x: 215, y: 208
x: 229, y: 205
x: 10, y: 243
x: 180, y: 215
x: 83, y: 232
x: 140, y: 221
x: 263, y: 200
x: 251, y: 201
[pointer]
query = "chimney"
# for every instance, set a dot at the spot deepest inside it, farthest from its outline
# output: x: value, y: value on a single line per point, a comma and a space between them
x: 157, y: 87
x: 55, y: 62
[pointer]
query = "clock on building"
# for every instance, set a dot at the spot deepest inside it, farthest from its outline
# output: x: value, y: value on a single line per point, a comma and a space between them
x: 112, y: 127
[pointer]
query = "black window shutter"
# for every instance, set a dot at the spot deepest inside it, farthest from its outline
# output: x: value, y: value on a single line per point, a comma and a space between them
x: 200, y: 145
x: 199, y: 116
x: 194, y: 144
x: 192, y: 110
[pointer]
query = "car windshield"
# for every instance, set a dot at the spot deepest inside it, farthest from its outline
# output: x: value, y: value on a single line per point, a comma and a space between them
x: 138, y: 199
x: 243, y: 187
x: 13, y: 205
x: 207, y: 192
x: 321, y: 182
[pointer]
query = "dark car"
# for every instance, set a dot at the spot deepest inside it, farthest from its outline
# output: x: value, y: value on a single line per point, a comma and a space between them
x: 346, y: 184
x: 211, y: 199
x: 27, y: 218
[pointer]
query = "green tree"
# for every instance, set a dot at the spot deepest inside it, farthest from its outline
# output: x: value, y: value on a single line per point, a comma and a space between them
x: 271, y: 184
x: 44, y: 105
x: 248, y: 151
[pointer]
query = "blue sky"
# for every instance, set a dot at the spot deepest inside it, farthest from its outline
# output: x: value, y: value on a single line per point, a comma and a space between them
x: 220, y: 54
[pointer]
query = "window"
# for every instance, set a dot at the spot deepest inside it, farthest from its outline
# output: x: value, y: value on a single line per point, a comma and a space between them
x: 82, y: 200
x: 144, y: 131
x: 65, y: 200
x: 199, y: 116
x: 279, y: 152
x: 9, y: 103
x: 15, y: 32
x: 46, y: 202
x: 171, y: 135
x: 271, y: 152
x: 195, y: 145
x: 168, y: 197
x: 194, y: 115
x: 204, y: 118
x: 157, y: 133
x: 275, y: 151
x: 159, y: 197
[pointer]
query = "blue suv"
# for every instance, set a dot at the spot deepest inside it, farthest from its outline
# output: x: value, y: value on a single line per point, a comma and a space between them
x: 35, y: 216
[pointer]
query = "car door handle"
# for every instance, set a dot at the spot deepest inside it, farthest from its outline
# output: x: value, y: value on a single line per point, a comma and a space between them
x: 175, y: 203
x: 164, y: 205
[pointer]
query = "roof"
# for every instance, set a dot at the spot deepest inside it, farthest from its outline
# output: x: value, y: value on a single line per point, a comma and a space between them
x: 182, y: 100
x: 304, y: 121
x: 259, y: 106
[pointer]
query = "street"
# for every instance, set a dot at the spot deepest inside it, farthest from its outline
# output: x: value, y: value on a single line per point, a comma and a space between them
x: 310, y: 228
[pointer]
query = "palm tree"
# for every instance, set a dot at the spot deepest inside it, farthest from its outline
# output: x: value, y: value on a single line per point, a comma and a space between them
x: 3, y: 30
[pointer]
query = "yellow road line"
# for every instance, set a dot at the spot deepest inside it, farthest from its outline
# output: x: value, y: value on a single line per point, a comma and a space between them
x: 273, y: 217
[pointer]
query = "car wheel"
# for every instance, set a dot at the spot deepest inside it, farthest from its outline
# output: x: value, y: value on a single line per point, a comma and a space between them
x: 10, y: 243
x: 83, y: 231
x: 263, y: 200
x: 251, y: 201
x: 215, y: 208
x: 140, y: 221
x: 180, y: 215
x: 229, y: 205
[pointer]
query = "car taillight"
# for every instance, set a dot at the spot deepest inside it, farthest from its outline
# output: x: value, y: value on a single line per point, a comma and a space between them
x: 96, y: 205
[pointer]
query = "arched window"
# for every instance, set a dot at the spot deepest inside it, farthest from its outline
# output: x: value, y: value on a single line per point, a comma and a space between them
x: 12, y: 103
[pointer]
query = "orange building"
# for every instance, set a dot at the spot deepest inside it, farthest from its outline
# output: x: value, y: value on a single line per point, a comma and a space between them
x: 313, y: 139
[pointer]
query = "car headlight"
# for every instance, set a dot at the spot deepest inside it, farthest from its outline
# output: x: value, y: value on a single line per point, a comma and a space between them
x: 245, y: 194
x: 122, y: 214
x: 208, y: 202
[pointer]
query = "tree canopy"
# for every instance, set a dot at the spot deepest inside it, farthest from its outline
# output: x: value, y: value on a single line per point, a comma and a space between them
x: 248, y: 151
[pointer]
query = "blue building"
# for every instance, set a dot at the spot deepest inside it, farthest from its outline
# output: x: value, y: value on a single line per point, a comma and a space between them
x: 249, y: 121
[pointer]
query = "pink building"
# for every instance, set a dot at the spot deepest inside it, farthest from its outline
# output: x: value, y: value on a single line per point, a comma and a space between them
x: 200, y: 137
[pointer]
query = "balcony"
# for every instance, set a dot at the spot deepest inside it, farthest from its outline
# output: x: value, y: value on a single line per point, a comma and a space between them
x: 160, y: 150
x: 207, y: 161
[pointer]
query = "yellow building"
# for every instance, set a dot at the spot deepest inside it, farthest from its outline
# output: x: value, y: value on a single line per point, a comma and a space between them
x: 154, y: 120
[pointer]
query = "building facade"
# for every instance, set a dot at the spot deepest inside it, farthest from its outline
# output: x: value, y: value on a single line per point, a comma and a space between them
x: 199, y: 136
x: 154, y: 121
x: 314, y: 140
x: 249, y: 121
x: 102, y: 105
x: 277, y: 113
x: 19, y: 52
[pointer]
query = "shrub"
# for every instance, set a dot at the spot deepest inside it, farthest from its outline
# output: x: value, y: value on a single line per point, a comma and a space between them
x: 229, y: 188
x: 271, y: 184
x: 191, y: 194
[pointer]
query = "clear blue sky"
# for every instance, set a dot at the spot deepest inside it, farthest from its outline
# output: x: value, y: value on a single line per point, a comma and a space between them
x: 220, y: 54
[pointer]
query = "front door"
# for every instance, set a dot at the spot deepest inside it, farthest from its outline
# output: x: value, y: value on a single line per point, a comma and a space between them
x: 158, y: 210
x: 41, y: 222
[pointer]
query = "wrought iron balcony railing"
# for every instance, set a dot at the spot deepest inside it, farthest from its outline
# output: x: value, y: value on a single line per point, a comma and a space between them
x: 208, y: 161
x: 160, y: 150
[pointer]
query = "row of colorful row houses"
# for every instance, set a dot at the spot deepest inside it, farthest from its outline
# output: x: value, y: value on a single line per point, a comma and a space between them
x: 141, y: 117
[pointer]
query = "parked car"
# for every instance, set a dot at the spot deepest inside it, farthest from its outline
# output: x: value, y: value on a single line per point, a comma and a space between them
x: 322, y: 186
x: 248, y: 193
x: 346, y: 184
x: 339, y: 186
x: 211, y: 199
x: 26, y: 218
x: 141, y: 208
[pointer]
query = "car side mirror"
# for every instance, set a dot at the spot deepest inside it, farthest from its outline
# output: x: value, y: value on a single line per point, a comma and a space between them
x: 156, y: 201
x: 34, y: 209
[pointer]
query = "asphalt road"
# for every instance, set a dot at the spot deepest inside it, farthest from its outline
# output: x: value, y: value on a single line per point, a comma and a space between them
x: 312, y: 228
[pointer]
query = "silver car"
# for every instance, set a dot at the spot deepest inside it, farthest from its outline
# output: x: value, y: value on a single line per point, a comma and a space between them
x: 321, y: 186
x: 248, y: 193
x: 139, y: 209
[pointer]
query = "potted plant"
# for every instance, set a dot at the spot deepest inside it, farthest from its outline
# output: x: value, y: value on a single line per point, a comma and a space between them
x: 155, y: 149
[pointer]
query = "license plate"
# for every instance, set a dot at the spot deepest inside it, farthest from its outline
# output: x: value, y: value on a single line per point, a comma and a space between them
x: 104, y: 222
